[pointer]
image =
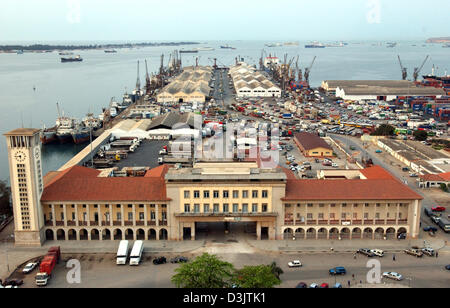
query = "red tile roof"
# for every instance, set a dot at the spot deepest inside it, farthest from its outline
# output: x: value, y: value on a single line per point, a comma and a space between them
x: 442, y: 177
x: 446, y: 176
x: 81, y: 184
x: 377, y: 173
x: 311, y: 141
x: 158, y: 172
x: 379, y: 189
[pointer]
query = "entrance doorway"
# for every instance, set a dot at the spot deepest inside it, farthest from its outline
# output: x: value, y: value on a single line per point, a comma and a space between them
x: 264, y: 233
x: 225, y: 231
x: 187, y: 234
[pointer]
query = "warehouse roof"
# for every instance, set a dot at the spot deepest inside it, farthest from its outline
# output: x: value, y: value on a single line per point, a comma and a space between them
x: 389, y: 90
x: 173, y: 119
x: 375, y: 83
x: 311, y: 141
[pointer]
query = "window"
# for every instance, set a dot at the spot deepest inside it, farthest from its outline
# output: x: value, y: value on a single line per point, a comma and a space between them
x: 216, y: 194
x: 244, y: 208
x: 205, y: 208
x: 344, y: 216
x: 366, y: 215
x: 187, y: 208
x: 225, y: 208
x: 355, y: 215
x: 245, y: 194
x: 226, y: 194
x: 399, y: 215
x: 141, y: 216
x: 264, y: 208
x: 254, y: 194
x: 187, y: 194
x: 320, y: 215
x: 265, y: 194
x: 321, y: 205
x: 235, y: 208
x: 130, y: 216
x: 196, y: 208
x: 310, y: 205
x: 119, y: 216
x: 255, y: 208
x: 309, y: 216
x: 377, y: 215
x: 196, y: 194
x: 235, y: 194
x: 206, y: 194
x: 216, y: 208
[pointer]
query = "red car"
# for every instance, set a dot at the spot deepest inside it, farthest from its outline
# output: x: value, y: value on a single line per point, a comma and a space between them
x: 438, y: 209
x: 324, y: 286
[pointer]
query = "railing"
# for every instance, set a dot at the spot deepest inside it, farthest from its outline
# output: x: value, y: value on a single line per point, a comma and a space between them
x: 94, y: 223
x: 117, y: 223
x: 106, y: 223
x: 380, y: 222
x: 151, y: 223
x: 140, y: 223
x: 71, y: 223
x: 403, y: 221
x: 368, y: 221
x: 59, y: 223
x: 82, y: 223
x: 49, y: 223
x: 334, y: 222
x: 311, y: 222
x: 323, y: 222
x: 163, y: 222
x: 128, y: 223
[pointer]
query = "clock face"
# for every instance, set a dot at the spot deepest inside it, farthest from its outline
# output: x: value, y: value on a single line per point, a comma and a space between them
x: 20, y: 156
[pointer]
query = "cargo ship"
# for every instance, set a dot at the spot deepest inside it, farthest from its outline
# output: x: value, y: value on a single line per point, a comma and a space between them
x: 189, y: 51
x: 227, y: 47
x: 48, y: 135
x: 204, y: 49
x: 110, y: 51
x: 72, y: 59
x: 315, y: 45
x: 81, y: 134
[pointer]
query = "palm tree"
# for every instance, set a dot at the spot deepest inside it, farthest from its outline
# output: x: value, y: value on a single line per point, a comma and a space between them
x: 276, y: 270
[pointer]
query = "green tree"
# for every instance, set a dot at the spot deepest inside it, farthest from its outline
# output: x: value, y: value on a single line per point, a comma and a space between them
x: 444, y: 187
x: 5, y: 197
x: 276, y: 270
x: 260, y: 276
x: 420, y: 135
x: 205, y: 271
x: 384, y: 130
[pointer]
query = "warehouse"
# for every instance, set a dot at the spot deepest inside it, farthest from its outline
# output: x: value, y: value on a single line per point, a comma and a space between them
x: 190, y: 86
x: 312, y: 145
x: 250, y: 83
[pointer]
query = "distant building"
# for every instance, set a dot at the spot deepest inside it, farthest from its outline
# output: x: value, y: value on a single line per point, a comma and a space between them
x: 312, y: 145
x: 249, y: 83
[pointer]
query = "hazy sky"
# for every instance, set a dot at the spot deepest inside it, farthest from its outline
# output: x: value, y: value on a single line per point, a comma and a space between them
x: 222, y: 19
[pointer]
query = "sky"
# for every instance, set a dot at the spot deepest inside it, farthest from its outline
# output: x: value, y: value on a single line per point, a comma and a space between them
x: 176, y: 20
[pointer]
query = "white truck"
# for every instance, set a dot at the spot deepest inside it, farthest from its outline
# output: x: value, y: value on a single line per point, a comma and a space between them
x: 122, y: 253
x: 136, y: 253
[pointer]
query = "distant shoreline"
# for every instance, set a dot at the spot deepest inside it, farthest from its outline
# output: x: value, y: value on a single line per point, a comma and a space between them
x: 439, y: 40
x: 50, y: 48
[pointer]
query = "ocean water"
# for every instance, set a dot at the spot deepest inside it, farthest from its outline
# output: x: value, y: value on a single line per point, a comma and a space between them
x: 88, y: 86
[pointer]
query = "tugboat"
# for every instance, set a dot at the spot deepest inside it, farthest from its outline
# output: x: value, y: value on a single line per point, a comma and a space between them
x: 72, y: 59
x: 48, y: 135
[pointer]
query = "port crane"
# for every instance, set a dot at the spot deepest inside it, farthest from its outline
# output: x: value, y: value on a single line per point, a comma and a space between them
x: 138, y: 81
x: 308, y: 70
x: 418, y: 69
x: 404, y: 69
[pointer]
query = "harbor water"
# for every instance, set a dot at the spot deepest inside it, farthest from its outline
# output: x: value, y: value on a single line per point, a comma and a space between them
x: 32, y: 83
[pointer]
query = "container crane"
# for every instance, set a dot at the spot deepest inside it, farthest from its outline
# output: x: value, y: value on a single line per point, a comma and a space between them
x: 138, y: 81
x: 308, y: 70
x: 417, y: 70
x: 404, y: 69
x: 147, y: 79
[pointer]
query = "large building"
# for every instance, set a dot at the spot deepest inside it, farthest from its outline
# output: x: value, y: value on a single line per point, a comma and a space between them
x: 80, y: 203
x: 249, y: 83
x: 384, y: 90
x: 311, y: 145
x: 191, y: 86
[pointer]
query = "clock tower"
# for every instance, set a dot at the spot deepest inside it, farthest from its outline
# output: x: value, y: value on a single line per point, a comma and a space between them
x: 25, y: 170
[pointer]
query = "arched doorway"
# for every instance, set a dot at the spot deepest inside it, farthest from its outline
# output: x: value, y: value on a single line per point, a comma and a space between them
x: 163, y: 234
x: 49, y: 235
x: 129, y: 234
x: 356, y: 233
x: 334, y: 234
x: 390, y: 233
x: 368, y: 233
x: 401, y: 231
x: 379, y: 234
x: 83, y: 235
x: 140, y: 235
x: 300, y: 233
x: 311, y: 233
x: 60, y: 235
x: 95, y: 234
x: 118, y: 235
x: 106, y: 234
x: 288, y: 233
x: 72, y: 235
x: 151, y: 234
x: 345, y: 234
x: 322, y: 233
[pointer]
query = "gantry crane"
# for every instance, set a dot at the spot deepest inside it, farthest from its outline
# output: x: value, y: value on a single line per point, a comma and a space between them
x: 308, y: 70
x: 417, y: 70
x: 404, y: 69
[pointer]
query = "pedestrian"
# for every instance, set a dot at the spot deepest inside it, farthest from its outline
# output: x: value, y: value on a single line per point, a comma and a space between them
x: 436, y: 254
x: 393, y: 257
x: 353, y: 276
x: 349, y: 283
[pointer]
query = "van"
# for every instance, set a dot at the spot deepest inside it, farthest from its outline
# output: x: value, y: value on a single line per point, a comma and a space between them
x: 377, y: 252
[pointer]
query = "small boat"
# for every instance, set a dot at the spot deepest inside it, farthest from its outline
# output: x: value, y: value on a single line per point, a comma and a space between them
x: 72, y: 59
x: 110, y: 51
x: 204, y: 49
x: 315, y: 45
x: 189, y: 51
x: 227, y: 47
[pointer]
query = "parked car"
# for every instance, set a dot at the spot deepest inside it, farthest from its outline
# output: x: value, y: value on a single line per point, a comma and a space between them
x: 302, y: 285
x: 324, y: 286
x: 337, y: 286
x: 313, y: 286
x: 393, y: 275
x: 429, y: 251
x: 430, y: 228
x: 13, y: 282
x: 435, y: 219
x: 405, y: 169
x: 414, y: 252
x: 337, y: 271
x: 447, y: 267
x: 179, y: 260
x: 366, y: 252
x: 295, y: 263
x: 402, y: 236
x: 413, y: 175
x: 29, y: 268
x: 160, y: 260
x: 438, y: 209
x: 377, y: 252
x: 317, y: 161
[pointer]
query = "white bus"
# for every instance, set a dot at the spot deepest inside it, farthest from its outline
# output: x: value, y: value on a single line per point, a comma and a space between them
x: 122, y: 253
x: 136, y: 253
